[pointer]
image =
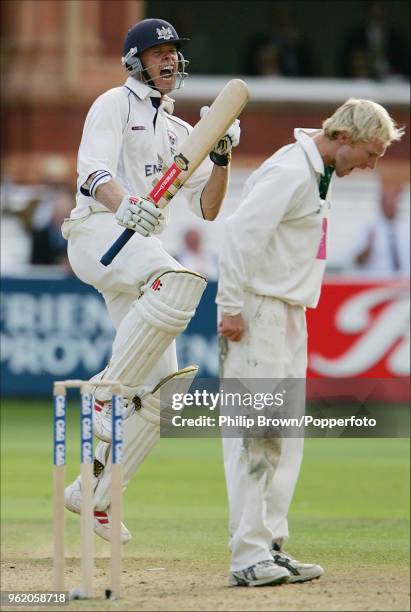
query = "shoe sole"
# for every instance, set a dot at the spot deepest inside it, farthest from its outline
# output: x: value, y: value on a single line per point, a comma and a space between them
x: 260, y: 583
x: 300, y: 580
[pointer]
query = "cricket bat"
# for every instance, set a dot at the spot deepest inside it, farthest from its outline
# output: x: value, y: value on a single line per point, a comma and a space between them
x: 206, y: 133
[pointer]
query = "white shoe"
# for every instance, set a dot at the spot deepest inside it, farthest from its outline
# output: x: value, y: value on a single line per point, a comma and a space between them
x: 299, y: 572
x: 102, y: 519
x: 264, y: 573
x: 102, y: 418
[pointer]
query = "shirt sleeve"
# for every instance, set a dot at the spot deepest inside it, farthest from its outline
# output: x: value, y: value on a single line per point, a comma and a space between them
x: 101, y: 142
x: 248, y: 231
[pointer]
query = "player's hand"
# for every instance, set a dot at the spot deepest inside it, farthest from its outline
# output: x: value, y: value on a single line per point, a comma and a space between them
x: 221, y: 154
x: 139, y: 215
x: 232, y: 327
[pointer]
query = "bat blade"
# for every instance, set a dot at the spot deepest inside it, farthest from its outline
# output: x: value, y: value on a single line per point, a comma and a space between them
x: 224, y: 110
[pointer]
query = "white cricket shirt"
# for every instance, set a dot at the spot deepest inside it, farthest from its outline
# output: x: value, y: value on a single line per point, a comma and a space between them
x: 120, y: 141
x: 275, y: 243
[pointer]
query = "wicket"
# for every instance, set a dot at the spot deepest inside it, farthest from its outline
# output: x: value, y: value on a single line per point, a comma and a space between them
x: 86, y: 470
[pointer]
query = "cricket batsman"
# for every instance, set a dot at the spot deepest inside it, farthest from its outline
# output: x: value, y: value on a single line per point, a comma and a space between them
x: 130, y: 137
x: 271, y: 268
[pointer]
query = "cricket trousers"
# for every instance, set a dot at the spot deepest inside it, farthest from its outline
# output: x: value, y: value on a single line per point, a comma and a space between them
x: 125, y: 279
x: 261, y: 473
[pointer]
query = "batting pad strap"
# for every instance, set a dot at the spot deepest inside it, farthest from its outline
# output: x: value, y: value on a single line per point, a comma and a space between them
x: 157, y: 406
x: 150, y: 410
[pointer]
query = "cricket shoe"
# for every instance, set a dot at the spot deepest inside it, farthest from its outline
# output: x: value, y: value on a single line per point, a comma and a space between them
x: 102, y: 519
x: 264, y: 573
x: 102, y: 418
x: 299, y: 572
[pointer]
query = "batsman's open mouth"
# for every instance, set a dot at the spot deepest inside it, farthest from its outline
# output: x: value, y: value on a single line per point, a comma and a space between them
x: 167, y: 73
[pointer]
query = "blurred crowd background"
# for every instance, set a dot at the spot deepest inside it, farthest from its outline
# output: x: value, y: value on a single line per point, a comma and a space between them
x: 301, y: 59
x: 57, y: 56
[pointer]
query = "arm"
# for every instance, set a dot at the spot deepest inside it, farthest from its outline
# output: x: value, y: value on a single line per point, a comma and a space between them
x: 215, y: 189
x: 214, y: 192
x: 212, y: 196
x: 97, y: 166
x: 110, y: 194
x: 274, y: 191
x: 100, y: 144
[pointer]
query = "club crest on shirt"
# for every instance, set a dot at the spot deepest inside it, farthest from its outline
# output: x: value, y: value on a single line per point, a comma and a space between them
x: 172, y: 138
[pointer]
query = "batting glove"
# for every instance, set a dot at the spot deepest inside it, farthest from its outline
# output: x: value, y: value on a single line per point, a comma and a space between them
x: 139, y: 215
x: 221, y: 154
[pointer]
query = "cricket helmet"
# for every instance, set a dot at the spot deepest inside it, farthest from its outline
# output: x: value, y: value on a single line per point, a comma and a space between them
x: 146, y: 34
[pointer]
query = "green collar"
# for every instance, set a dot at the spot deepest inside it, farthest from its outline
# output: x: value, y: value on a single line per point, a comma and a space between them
x: 325, y: 181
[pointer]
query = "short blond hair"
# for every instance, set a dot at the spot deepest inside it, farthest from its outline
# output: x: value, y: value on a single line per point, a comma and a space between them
x: 364, y: 121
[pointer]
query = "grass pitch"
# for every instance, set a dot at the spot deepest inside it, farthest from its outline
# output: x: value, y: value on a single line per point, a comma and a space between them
x: 350, y: 513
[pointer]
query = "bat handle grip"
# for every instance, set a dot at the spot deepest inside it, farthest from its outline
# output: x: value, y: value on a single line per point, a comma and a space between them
x: 116, y: 247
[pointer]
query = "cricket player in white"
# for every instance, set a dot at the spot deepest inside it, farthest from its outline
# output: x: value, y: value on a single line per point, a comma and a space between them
x: 271, y: 268
x: 130, y: 137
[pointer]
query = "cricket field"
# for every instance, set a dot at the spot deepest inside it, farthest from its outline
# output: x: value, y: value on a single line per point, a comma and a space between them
x: 350, y: 514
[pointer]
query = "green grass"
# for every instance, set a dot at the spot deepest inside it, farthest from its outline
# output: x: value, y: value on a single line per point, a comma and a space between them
x: 351, y: 502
